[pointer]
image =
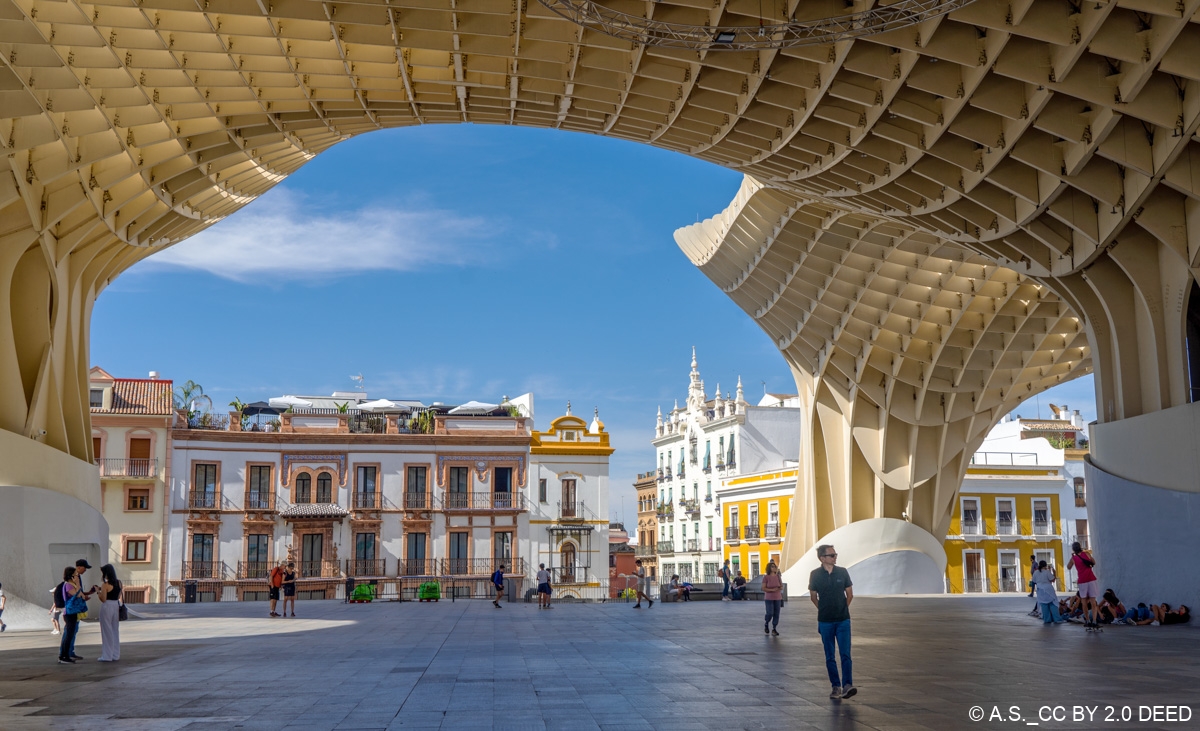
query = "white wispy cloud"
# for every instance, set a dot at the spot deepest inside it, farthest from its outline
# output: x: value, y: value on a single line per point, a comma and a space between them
x: 282, y: 237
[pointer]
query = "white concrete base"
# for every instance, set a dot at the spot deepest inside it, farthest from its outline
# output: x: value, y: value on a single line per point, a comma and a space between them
x: 1145, y: 539
x: 883, y: 556
x: 42, y: 532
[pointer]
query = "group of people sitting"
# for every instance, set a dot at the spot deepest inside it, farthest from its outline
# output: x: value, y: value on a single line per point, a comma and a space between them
x: 1112, y: 611
x: 684, y: 589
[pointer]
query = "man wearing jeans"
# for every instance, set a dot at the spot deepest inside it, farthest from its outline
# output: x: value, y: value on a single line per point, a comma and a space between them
x: 829, y: 589
x: 726, y: 576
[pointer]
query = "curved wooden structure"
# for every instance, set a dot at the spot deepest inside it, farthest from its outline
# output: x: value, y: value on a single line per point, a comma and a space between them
x: 937, y: 222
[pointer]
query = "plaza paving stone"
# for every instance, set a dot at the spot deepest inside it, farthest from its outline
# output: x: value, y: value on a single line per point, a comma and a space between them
x: 919, y: 663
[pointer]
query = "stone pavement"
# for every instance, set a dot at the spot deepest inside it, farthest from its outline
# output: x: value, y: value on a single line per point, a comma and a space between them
x: 920, y: 663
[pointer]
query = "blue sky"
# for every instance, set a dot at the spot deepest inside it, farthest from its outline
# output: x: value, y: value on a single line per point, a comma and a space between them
x: 448, y: 263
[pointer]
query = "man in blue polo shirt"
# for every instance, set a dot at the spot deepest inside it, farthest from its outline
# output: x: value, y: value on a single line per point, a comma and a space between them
x: 829, y: 588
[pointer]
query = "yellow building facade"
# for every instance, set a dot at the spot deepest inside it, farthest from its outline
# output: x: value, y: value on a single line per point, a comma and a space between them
x: 755, y: 510
x: 993, y: 535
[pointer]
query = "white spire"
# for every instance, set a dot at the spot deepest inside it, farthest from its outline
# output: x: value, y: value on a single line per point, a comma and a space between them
x: 741, y: 396
x: 568, y: 408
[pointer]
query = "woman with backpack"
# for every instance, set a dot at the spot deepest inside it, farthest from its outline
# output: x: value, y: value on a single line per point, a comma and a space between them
x: 1086, y: 578
x: 73, y: 606
x: 110, y: 614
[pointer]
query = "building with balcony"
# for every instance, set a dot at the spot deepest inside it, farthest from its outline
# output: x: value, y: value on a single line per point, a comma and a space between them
x: 1022, y: 496
x: 131, y: 444
x: 383, y: 491
x: 698, y: 446
x: 568, y: 515
x: 646, y: 549
x: 756, y: 509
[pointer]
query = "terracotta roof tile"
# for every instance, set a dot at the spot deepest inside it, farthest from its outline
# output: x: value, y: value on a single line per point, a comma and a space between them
x: 314, y: 510
x: 140, y: 396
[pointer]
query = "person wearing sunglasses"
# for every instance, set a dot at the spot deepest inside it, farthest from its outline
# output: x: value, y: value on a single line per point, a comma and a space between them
x: 829, y: 588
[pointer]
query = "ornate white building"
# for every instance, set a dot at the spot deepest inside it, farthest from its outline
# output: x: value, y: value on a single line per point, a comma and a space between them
x: 697, y: 446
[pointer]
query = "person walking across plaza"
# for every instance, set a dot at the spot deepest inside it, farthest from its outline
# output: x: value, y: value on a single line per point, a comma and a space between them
x: 289, y: 588
x: 110, y: 615
x: 726, y: 577
x: 643, y: 590
x: 772, y: 586
x: 3, y: 626
x: 498, y: 583
x: 543, y: 587
x: 829, y: 588
x: 274, y: 583
x: 1089, y: 586
x: 1033, y: 566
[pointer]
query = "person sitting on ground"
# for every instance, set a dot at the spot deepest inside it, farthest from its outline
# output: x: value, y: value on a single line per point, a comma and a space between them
x: 679, y: 590
x: 1111, y: 608
x: 1165, y: 615
x: 1140, y: 614
x: 739, y: 587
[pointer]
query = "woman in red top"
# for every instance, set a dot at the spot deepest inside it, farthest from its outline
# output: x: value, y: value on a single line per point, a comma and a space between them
x: 1088, y: 585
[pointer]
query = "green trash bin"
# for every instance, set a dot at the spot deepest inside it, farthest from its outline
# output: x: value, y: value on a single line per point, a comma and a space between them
x: 429, y: 591
x: 362, y: 593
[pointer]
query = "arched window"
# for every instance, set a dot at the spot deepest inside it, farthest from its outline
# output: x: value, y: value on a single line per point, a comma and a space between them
x: 324, y: 488
x: 568, y: 563
x: 1192, y: 333
x: 303, y: 488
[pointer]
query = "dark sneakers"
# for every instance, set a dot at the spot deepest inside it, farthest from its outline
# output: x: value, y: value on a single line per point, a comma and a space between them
x: 848, y: 691
x: 65, y: 661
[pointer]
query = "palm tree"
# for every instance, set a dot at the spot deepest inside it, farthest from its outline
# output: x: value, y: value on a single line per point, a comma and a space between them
x: 188, y: 395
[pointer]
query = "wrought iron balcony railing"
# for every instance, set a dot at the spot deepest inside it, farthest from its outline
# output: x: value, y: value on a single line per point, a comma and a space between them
x: 417, y: 501
x: 203, y: 570
x: 482, y: 566
x: 771, y: 531
x: 572, y: 511
x: 254, y: 569
x: 259, y: 500
x: 204, y: 500
x: 732, y: 533
x: 420, y: 567
x: 649, y: 549
x: 366, y: 500
x: 319, y: 569
x: 366, y: 567
x: 485, y: 501
x: 121, y: 467
x: 665, y: 547
x: 751, y: 532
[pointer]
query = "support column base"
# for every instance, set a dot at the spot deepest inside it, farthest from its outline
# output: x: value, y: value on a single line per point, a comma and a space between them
x: 883, y: 555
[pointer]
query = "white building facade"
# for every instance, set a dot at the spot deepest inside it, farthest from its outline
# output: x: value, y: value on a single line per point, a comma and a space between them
x: 568, y: 512
x: 696, y: 447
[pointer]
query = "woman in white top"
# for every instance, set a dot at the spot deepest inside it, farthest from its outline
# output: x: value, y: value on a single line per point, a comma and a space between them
x: 1043, y: 585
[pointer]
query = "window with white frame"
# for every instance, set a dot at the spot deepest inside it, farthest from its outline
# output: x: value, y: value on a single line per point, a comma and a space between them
x: 1006, y: 522
x: 1041, y: 517
x: 1010, y: 572
x: 970, y: 517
